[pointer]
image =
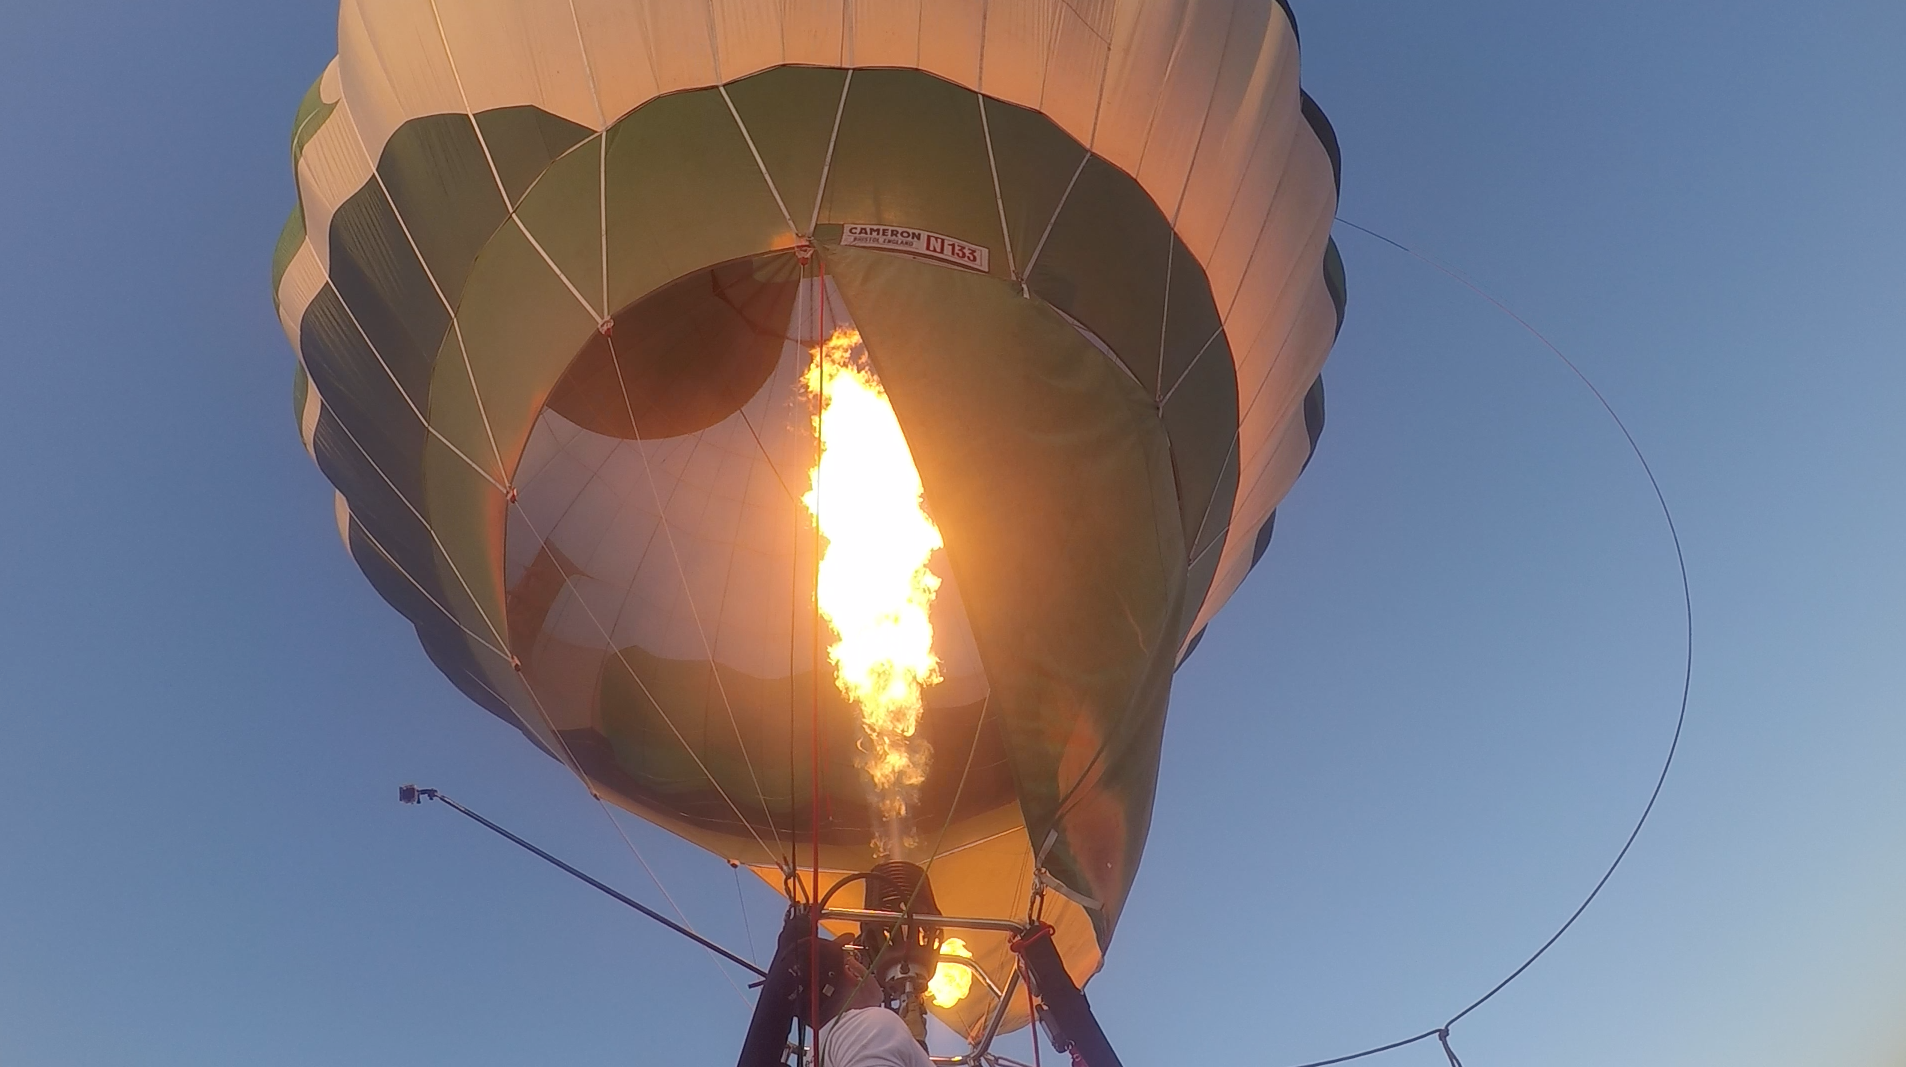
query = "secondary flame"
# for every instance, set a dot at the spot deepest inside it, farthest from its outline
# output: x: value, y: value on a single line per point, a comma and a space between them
x: 874, y: 586
x: 951, y: 982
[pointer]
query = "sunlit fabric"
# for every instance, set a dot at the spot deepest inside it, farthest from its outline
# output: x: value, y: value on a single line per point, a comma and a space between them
x: 555, y: 273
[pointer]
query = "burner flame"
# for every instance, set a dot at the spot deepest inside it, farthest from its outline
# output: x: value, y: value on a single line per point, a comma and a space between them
x: 874, y: 586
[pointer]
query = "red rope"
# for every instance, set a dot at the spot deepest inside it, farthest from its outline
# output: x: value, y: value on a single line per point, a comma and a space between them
x: 814, y: 849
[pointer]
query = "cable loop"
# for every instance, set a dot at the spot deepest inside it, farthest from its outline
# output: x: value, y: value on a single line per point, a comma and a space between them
x: 1441, y: 1033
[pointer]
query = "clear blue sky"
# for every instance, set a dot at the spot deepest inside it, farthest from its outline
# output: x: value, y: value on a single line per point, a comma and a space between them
x: 1434, y: 709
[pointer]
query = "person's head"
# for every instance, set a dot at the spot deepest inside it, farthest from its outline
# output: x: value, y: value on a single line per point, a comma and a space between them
x: 839, y: 976
x: 863, y: 989
x: 844, y: 981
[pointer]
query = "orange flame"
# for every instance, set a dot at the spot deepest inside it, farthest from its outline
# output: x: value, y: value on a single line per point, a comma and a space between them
x: 951, y: 981
x: 874, y: 587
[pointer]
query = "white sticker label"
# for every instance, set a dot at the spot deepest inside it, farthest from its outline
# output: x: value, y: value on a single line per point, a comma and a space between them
x: 919, y: 242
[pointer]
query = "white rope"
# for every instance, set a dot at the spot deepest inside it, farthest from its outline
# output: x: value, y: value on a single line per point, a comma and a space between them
x: 1164, y: 321
x: 1098, y: 109
x: 575, y: 767
x: 431, y: 275
x: 399, y: 386
x: 827, y: 161
x: 424, y: 265
x: 1225, y: 318
x: 615, y: 650
x: 979, y: 70
x: 602, y: 155
x: 1296, y: 319
x: 666, y: 895
x: 1230, y: 454
x: 1244, y: 172
x: 986, y: 129
x: 1158, y: 93
x: 1186, y: 373
x: 431, y: 530
x: 681, y: 572
x: 434, y: 602
x: 602, y: 218
x: 714, y: 49
x: 1204, y: 124
x: 1243, y: 491
x: 497, y: 175
x: 756, y: 153
x: 1084, y: 158
x: 598, y: 316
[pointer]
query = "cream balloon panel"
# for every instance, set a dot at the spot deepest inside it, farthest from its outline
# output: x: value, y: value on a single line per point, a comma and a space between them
x: 1198, y: 100
x: 1280, y: 321
x: 1278, y: 440
x: 1187, y: 97
x: 332, y: 166
x: 304, y: 277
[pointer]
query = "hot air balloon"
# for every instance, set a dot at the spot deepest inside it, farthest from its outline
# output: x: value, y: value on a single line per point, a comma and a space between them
x: 823, y: 425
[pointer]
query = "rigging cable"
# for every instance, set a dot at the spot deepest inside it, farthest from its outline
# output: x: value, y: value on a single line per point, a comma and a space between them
x: 742, y: 900
x: 814, y: 660
x: 1441, y: 1033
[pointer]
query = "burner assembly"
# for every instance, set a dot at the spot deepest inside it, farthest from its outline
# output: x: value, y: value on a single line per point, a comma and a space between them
x: 902, y: 955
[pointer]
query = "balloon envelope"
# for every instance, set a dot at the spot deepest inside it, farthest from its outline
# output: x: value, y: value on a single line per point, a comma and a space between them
x: 553, y: 279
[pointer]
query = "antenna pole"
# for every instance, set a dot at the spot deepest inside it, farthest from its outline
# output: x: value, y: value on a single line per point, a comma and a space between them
x: 410, y: 794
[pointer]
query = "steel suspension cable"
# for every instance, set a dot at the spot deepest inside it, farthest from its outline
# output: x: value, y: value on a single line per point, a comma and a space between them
x: 1441, y: 1033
